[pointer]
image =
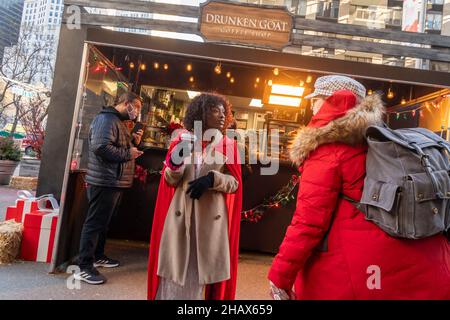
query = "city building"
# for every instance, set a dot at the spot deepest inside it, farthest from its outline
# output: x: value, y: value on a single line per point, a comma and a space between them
x: 10, y: 19
x: 39, y: 32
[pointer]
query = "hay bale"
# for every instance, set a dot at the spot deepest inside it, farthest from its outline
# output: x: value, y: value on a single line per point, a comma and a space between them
x: 10, y: 239
x: 23, y: 183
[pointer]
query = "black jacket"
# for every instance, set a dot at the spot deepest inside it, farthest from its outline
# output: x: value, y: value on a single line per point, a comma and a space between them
x: 110, y: 163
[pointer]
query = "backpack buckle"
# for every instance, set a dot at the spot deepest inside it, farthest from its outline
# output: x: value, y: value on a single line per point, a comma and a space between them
x: 425, y: 160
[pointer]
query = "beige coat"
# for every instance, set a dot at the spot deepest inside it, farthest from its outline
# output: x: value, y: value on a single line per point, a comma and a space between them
x: 211, y: 223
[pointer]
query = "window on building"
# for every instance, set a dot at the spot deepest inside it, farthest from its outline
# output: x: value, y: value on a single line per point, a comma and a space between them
x: 434, y: 21
x: 436, y: 2
x: 328, y: 9
x: 394, y: 16
x: 358, y: 59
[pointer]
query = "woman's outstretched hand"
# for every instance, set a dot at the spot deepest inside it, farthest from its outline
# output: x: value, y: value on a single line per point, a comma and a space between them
x: 198, y: 186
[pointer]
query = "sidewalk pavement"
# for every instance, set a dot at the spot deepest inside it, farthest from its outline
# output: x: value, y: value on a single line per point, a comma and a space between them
x: 8, y: 198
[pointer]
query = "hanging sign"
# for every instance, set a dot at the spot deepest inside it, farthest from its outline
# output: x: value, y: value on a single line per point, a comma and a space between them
x: 259, y: 26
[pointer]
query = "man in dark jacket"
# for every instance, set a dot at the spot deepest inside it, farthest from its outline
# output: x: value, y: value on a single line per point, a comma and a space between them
x: 112, y: 152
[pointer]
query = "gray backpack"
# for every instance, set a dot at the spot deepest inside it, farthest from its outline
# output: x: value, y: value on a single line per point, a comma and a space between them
x: 407, y: 185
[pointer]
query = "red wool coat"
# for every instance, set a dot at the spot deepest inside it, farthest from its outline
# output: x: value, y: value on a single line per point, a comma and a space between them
x: 360, y: 261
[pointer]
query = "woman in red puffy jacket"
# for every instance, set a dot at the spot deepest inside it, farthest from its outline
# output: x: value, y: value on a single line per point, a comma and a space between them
x: 330, y: 251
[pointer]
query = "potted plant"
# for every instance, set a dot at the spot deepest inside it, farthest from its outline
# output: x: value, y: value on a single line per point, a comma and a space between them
x: 9, y: 159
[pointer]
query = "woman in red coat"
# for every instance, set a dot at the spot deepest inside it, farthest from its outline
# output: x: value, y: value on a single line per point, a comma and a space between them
x: 330, y: 251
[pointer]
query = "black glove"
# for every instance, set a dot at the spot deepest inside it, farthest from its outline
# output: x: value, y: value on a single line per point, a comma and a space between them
x: 198, y: 186
x: 179, y: 150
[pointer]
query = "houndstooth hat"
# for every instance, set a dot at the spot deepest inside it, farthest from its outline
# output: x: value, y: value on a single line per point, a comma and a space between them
x: 327, y: 85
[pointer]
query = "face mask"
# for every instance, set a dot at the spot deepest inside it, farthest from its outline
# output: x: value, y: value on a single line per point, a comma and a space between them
x: 131, y: 112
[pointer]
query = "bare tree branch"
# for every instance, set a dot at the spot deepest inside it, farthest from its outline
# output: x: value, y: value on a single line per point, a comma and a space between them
x: 23, y: 63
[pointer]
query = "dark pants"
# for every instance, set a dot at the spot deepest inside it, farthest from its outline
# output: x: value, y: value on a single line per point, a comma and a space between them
x: 103, y: 202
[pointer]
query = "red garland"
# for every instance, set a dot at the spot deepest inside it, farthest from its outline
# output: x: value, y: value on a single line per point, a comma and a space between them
x: 281, y: 198
x: 172, y: 127
x: 141, y: 174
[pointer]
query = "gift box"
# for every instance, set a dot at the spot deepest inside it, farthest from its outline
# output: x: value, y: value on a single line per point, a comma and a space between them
x: 39, y: 230
x: 24, y: 204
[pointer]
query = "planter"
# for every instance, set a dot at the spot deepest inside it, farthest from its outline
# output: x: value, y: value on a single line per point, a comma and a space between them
x: 7, y: 168
x: 29, y: 167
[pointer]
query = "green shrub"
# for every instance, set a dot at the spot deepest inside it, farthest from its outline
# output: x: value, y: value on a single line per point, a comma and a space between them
x: 9, y: 150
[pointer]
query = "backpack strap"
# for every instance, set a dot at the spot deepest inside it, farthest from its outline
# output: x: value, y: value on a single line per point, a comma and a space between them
x: 358, y: 205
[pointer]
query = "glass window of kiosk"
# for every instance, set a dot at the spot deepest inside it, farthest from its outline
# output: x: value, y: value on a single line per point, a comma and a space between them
x: 99, y: 89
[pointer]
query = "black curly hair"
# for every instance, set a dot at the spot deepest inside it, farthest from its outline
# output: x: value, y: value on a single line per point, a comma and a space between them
x: 200, y: 106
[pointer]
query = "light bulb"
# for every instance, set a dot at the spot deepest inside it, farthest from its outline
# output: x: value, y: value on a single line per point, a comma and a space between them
x: 218, y: 69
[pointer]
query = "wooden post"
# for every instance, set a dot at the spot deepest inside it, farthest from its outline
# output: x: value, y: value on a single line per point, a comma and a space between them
x: 61, y: 110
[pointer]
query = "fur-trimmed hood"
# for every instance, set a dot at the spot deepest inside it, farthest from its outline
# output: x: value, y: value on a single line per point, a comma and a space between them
x: 349, y: 128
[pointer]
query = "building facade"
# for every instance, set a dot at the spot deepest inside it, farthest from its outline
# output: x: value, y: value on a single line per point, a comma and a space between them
x: 38, y: 39
x: 10, y: 19
x: 422, y: 16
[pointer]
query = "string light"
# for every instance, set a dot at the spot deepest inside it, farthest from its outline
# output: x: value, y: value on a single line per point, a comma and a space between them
x: 403, y: 101
x: 232, y: 80
x: 156, y: 65
x: 228, y: 74
x: 191, y: 79
x: 390, y: 94
x: 309, y: 79
x: 282, y: 198
x: 269, y: 83
x: 369, y: 92
x: 189, y: 67
x: 302, y: 83
x: 131, y: 65
x: 166, y: 66
x: 218, y: 69
x: 276, y: 71
x: 143, y: 67
x: 257, y: 80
